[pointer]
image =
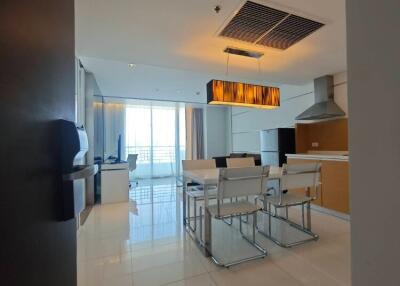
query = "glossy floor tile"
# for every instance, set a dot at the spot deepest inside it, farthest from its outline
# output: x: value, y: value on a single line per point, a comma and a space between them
x: 142, y: 242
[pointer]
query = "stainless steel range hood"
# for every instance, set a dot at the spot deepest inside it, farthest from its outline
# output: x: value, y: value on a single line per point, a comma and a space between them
x: 324, y: 106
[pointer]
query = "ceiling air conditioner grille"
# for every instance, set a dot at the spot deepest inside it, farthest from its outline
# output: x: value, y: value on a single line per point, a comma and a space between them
x: 252, y: 21
x: 289, y: 31
x: 262, y: 25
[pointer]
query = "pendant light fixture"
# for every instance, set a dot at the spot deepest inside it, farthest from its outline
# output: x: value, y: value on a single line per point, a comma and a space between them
x: 220, y: 92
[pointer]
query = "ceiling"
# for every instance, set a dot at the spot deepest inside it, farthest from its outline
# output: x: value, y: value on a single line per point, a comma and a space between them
x: 175, y: 46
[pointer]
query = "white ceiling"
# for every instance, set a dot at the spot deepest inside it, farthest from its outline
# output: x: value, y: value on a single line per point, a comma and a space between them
x: 175, y: 46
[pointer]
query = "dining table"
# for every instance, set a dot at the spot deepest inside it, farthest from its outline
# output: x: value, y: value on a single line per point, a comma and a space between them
x: 209, y: 178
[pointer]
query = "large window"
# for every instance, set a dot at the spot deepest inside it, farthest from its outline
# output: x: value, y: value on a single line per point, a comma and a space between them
x: 156, y: 132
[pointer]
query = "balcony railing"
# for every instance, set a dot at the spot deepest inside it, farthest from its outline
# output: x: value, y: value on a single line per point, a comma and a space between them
x: 156, y: 161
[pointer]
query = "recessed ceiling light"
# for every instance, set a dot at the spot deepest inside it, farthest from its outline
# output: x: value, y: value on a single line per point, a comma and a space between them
x: 131, y: 65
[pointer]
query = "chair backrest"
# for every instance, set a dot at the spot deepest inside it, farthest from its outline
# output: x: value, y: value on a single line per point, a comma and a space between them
x: 132, y: 158
x: 237, y: 182
x: 240, y: 162
x: 198, y: 164
x: 237, y: 155
x: 300, y: 175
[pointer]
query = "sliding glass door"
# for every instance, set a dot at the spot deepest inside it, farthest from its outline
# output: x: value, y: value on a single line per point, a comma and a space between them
x: 156, y: 132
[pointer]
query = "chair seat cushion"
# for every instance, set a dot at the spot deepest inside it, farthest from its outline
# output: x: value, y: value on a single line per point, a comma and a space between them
x: 288, y: 199
x: 199, y: 194
x: 232, y: 209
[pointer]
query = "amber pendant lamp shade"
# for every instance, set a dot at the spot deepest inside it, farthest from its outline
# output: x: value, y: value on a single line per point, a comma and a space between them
x: 221, y: 92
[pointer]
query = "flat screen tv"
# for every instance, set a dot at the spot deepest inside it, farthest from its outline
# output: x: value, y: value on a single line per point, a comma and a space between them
x: 119, y: 148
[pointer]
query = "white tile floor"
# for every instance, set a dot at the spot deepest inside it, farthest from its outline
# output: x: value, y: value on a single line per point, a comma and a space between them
x: 143, y: 243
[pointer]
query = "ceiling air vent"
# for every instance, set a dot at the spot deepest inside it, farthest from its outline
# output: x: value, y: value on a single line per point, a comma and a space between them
x: 262, y: 25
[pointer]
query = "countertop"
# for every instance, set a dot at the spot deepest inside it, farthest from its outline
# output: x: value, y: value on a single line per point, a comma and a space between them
x: 326, y: 157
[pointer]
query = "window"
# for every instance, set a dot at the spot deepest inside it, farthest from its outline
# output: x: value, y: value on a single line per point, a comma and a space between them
x: 156, y: 132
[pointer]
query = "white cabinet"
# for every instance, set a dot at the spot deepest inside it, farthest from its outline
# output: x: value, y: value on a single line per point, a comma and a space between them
x: 114, y: 183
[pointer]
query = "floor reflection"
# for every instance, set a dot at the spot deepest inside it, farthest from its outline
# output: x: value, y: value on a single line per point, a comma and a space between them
x: 142, y: 242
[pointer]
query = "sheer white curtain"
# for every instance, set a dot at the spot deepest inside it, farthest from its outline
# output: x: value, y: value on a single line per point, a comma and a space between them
x: 194, y: 133
x: 154, y: 131
x: 114, y: 125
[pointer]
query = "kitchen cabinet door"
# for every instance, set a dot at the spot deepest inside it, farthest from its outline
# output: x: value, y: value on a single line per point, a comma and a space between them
x: 335, y: 183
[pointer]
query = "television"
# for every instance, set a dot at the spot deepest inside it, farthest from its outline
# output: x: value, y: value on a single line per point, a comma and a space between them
x: 119, y: 148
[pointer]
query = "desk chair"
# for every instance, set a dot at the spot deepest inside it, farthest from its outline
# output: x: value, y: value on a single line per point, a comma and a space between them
x: 195, y: 191
x: 132, y: 158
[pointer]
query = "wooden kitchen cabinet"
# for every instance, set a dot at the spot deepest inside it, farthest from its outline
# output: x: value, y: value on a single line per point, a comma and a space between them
x: 335, y: 185
x: 334, y: 190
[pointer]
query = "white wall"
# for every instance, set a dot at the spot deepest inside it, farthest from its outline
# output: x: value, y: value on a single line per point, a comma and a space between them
x: 79, y: 93
x: 91, y: 89
x: 247, y: 122
x: 374, y: 137
x: 215, y: 131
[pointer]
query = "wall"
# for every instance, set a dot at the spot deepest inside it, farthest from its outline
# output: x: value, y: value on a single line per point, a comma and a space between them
x: 247, y: 122
x: 331, y: 135
x: 80, y: 120
x: 37, y: 87
x: 373, y: 49
x: 91, y: 89
x: 215, y: 128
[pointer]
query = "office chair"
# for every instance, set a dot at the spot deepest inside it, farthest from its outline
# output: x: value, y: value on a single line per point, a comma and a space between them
x: 132, y: 158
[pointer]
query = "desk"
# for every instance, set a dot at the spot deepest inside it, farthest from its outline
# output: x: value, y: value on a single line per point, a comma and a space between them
x: 114, y: 182
x: 208, y: 178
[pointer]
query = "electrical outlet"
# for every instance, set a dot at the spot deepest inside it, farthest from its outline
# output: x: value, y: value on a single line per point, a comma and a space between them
x: 314, y: 144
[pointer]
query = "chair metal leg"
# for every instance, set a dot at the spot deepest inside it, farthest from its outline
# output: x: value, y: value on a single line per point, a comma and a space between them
x: 188, y: 211
x: 308, y: 211
x: 247, y: 215
x: 201, y: 226
x: 195, y: 213
x: 231, y: 219
x: 207, y: 232
x: 301, y: 227
x: 189, y: 218
x: 269, y: 220
x: 254, y: 227
x: 240, y: 224
x: 251, y: 241
x: 308, y: 216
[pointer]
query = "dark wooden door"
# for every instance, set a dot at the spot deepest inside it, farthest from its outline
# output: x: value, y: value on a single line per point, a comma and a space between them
x: 36, y: 87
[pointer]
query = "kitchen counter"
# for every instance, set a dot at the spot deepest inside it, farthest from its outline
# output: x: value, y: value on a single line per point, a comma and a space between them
x: 319, y: 157
x: 334, y: 189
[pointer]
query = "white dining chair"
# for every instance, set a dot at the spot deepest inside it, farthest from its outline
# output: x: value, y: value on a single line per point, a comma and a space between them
x: 240, y: 162
x: 294, y: 176
x: 237, y: 182
x: 194, y: 190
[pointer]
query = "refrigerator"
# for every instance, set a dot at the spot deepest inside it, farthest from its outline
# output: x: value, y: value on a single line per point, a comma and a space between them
x: 274, y: 145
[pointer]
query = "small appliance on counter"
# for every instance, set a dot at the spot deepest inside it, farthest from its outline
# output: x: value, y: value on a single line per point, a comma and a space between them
x: 73, y: 147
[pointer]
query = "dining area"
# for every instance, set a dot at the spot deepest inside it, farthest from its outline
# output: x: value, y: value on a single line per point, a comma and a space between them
x: 226, y: 210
